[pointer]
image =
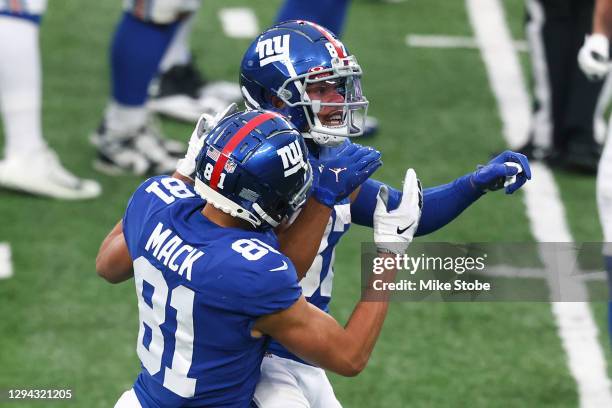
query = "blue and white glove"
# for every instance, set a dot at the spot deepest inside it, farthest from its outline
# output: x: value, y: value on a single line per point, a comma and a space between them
x: 335, y: 178
x: 394, y: 230
x: 186, y: 166
x: 510, y: 170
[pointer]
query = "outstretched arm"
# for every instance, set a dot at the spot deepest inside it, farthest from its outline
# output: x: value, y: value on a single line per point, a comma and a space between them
x: 442, y: 204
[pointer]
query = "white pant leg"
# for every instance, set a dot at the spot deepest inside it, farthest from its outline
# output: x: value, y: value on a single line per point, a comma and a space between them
x: 604, y: 193
x: 319, y: 390
x: 161, y: 11
x: 278, y: 387
x: 286, y: 383
x: 541, y: 127
x: 128, y: 400
x: 20, y: 86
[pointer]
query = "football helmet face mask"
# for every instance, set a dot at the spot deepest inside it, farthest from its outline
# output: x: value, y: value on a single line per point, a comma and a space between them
x: 310, y: 71
x: 254, y: 166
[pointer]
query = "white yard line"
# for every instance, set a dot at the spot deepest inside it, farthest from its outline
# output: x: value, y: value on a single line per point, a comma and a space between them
x: 447, y: 41
x: 509, y: 271
x: 239, y: 22
x: 575, y: 322
x: 6, y: 265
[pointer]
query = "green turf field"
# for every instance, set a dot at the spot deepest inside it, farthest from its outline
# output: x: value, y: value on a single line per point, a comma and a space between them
x: 61, y: 326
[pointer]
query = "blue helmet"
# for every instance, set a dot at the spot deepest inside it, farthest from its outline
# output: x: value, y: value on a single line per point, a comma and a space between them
x: 295, y: 56
x: 253, y: 165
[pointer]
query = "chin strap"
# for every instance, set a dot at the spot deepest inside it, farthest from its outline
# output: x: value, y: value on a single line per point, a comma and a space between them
x: 224, y: 204
x: 251, y: 102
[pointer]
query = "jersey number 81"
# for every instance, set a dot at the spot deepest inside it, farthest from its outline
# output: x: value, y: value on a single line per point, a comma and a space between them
x: 152, y: 315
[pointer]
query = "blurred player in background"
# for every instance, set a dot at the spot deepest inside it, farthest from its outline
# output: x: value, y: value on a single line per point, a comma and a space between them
x: 211, y: 282
x: 304, y: 72
x: 128, y: 140
x: 181, y: 91
x: 594, y: 59
x: 567, y: 126
x: 29, y: 164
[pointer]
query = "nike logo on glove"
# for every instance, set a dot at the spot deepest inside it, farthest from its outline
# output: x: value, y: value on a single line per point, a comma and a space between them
x: 400, y: 231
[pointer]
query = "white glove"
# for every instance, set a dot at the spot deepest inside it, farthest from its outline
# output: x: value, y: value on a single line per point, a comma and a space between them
x: 187, y: 165
x: 394, y: 230
x: 594, y: 58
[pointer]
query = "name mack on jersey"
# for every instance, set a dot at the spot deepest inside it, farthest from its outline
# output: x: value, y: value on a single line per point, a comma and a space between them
x: 166, y: 246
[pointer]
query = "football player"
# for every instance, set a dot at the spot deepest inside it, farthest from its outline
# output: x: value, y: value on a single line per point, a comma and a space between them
x: 29, y: 164
x: 210, y: 280
x: 303, y: 71
x: 594, y: 60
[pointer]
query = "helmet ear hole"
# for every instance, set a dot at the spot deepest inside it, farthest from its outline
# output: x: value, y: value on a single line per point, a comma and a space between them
x: 277, y: 102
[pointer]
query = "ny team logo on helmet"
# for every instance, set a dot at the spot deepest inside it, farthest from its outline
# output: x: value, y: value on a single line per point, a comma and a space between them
x: 289, y: 58
x: 254, y: 166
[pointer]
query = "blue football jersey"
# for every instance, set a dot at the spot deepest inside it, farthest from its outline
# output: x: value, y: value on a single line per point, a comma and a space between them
x: 200, y: 288
x: 317, y: 283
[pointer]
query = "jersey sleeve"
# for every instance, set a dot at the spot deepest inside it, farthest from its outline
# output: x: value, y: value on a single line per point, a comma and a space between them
x: 441, y: 204
x: 271, y: 286
x: 140, y: 207
x: 362, y: 209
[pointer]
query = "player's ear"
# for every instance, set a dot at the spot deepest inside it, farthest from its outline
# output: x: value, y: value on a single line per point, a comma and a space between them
x: 277, y: 102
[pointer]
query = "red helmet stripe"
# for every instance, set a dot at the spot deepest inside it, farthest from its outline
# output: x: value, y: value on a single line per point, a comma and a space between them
x: 235, y: 141
x: 330, y: 38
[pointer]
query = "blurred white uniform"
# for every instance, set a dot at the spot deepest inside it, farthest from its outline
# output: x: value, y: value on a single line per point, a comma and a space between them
x: 594, y: 60
x: 604, y: 192
x: 29, y: 164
